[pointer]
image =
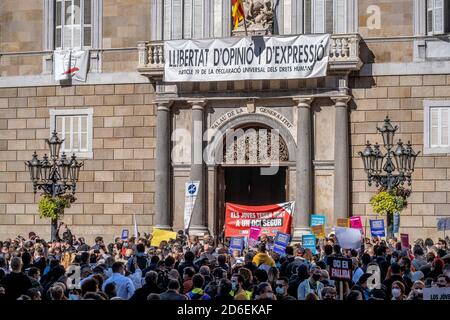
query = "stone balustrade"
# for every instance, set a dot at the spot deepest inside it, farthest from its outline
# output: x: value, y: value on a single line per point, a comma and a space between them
x: 344, y: 55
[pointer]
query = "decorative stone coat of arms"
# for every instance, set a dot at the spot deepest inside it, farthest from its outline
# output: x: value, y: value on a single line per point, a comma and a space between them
x: 259, y: 16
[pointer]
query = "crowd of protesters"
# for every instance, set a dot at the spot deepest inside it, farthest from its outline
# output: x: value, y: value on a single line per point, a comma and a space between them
x: 193, y: 268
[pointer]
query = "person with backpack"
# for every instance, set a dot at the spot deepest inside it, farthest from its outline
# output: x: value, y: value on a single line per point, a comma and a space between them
x: 197, y: 292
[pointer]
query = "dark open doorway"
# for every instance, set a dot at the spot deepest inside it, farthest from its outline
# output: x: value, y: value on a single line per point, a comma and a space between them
x: 247, y: 186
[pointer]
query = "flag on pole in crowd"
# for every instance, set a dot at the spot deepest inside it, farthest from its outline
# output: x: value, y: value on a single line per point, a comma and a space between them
x: 238, y: 13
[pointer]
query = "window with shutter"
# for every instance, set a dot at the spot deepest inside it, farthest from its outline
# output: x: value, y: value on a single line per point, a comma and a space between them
x: 73, y: 24
x: 329, y: 16
x: 437, y: 17
x: 187, y: 17
x: 198, y: 19
x: 75, y: 127
x: 318, y: 16
x: 436, y: 128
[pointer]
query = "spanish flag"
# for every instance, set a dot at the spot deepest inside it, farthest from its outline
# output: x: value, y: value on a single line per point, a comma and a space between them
x: 238, y: 12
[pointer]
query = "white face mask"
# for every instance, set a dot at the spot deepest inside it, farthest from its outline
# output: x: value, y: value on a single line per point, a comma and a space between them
x: 269, y: 295
x: 396, y: 292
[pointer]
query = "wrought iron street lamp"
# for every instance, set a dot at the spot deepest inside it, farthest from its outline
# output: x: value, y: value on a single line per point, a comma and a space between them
x: 54, y: 175
x: 380, y: 168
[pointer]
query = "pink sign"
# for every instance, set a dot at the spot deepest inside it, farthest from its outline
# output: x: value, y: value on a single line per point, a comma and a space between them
x: 356, y: 223
x: 405, y: 240
x: 254, y: 233
x: 253, y: 236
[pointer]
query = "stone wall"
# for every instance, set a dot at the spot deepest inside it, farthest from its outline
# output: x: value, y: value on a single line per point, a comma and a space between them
x: 117, y: 183
x: 401, y: 98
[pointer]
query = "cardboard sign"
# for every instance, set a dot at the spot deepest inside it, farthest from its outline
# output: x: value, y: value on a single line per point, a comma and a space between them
x: 309, y: 242
x: 159, y: 235
x: 435, y: 293
x: 404, y: 238
x: 340, y: 268
x: 443, y: 224
x: 377, y: 228
x: 281, y: 241
x: 271, y: 219
x: 396, y: 222
x: 317, y: 220
x: 348, y: 238
x: 356, y: 223
x: 124, y: 235
x: 344, y: 223
x: 236, y: 243
x: 318, y: 231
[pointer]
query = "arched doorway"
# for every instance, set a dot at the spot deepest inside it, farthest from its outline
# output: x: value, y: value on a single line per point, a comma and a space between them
x: 253, y: 169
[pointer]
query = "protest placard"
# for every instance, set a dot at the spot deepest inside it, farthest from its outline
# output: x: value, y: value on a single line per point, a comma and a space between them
x: 309, y: 242
x: 317, y: 220
x: 340, y: 268
x: 348, y: 238
x: 236, y: 243
x: 356, y: 223
x: 124, y: 235
x: 443, y: 224
x: 318, y: 231
x: 343, y: 222
x: 253, y: 236
x: 159, y: 235
x: 281, y: 242
x: 404, y: 238
x: 377, y: 228
x: 435, y: 293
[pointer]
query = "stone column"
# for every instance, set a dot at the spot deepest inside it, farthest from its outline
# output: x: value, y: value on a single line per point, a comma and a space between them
x: 198, y: 220
x: 304, y: 192
x: 162, y: 174
x: 341, y: 159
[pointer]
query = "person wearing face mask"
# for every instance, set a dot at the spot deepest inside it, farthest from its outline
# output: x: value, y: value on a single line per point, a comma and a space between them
x: 416, y: 291
x: 312, y: 284
x: 35, y: 276
x: 281, y: 289
x: 264, y: 292
x: 237, y: 287
x: 398, y: 291
x: 394, y: 274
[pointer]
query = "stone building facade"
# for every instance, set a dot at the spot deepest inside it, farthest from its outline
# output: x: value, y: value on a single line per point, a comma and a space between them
x: 387, y: 58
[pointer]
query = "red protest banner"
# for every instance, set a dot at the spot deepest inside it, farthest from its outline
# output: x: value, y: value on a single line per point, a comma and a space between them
x: 271, y: 218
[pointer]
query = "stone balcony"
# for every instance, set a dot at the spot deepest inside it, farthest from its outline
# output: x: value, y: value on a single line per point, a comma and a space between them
x: 344, y: 56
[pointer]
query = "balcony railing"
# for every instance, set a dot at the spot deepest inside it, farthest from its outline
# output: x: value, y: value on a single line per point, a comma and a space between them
x: 344, y: 55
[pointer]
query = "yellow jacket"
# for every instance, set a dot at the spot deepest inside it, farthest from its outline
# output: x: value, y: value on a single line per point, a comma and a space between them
x: 263, y: 258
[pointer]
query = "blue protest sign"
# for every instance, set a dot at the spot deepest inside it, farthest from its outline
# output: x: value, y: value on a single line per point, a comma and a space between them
x: 236, y: 243
x: 317, y: 220
x: 309, y: 242
x: 124, y: 235
x: 377, y: 228
x: 396, y: 222
x: 281, y: 242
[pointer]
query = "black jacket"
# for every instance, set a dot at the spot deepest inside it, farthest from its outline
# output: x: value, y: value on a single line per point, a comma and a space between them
x: 172, y: 295
x: 142, y: 293
x: 16, y: 284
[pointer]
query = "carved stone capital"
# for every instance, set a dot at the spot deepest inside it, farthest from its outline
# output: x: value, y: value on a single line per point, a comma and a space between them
x: 303, y: 102
x: 341, y: 101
